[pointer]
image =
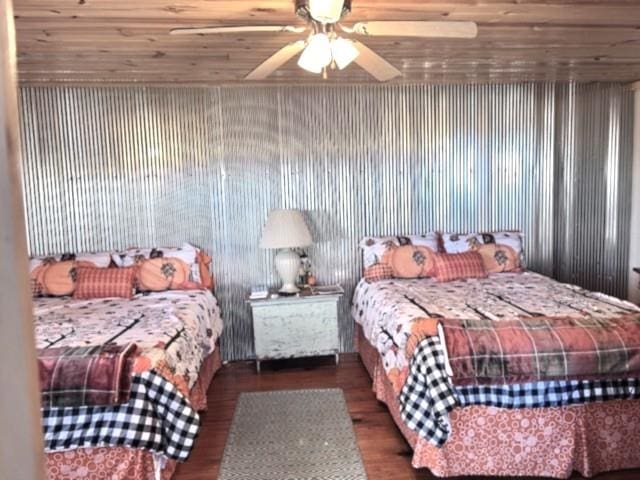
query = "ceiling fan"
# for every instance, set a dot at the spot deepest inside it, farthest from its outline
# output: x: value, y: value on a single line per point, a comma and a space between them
x: 325, y: 48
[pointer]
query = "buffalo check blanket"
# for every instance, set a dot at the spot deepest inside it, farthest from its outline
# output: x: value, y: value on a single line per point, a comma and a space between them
x: 526, y: 349
x: 94, y: 375
x: 400, y: 318
x: 157, y: 417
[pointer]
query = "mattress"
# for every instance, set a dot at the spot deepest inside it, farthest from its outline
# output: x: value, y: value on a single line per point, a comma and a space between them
x: 174, y: 332
x: 391, y: 311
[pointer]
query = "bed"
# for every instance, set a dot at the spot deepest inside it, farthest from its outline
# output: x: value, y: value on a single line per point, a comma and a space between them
x: 522, y: 427
x: 175, y: 334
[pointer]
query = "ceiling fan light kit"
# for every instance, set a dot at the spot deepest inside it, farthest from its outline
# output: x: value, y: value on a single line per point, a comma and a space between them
x: 343, y: 52
x: 317, y: 54
x: 324, y: 48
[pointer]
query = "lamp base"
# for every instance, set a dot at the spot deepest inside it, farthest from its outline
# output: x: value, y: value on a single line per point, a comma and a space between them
x: 287, y: 264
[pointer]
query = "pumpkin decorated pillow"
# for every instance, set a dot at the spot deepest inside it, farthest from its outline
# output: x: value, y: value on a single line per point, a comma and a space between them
x: 55, y: 275
x: 409, y: 256
x: 500, y: 251
x: 167, y: 268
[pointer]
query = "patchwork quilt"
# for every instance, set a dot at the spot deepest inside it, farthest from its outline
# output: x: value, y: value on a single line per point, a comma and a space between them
x: 173, y: 331
x: 436, y: 363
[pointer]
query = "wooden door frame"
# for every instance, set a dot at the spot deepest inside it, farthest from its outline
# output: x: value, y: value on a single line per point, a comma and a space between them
x: 21, y: 448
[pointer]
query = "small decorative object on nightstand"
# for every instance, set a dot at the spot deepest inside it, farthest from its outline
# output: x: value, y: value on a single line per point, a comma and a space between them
x: 285, y: 230
x: 305, y: 325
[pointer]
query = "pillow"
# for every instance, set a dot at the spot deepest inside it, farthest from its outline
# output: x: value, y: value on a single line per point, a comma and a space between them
x: 206, y: 277
x: 409, y: 256
x: 159, y: 274
x: 458, y: 266
x: 500, y: 251
x: 55, y: 275
x: 182, y: 259
x: 458, y: 243
x: 94, y: 282
x: 58, y: 279
x: 378, y: 272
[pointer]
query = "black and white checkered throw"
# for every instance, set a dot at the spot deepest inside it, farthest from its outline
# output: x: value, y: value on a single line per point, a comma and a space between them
x: 427, y: 395
x: 157, y: 417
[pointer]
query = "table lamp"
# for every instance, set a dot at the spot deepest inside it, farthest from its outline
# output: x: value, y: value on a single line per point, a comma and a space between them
x: 286, y: 229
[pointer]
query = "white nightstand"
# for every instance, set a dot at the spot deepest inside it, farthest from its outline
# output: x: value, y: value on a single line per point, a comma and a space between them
x: 298, y: 326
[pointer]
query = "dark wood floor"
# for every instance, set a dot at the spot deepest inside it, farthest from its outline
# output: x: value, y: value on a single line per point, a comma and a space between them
x: 385, y: 453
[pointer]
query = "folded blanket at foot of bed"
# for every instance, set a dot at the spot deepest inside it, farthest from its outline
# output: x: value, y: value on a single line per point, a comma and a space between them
x: 540, y: 348
x: 157, y: 417
x: 86, y: 376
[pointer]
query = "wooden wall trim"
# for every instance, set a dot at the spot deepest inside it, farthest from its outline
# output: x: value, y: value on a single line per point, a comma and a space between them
x: 21, y: 450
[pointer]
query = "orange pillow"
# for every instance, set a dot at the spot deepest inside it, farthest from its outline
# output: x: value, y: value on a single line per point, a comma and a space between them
x: 55, y: 274
x: 94, y: 282
x: 168, y: 268
x: 206, y: 277
x: 58, y: 279
x: 458, y: 266
x: 159, y: 274
x: 406, y: 256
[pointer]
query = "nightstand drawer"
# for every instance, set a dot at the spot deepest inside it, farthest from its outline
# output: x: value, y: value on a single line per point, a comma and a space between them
x: 298, y: 329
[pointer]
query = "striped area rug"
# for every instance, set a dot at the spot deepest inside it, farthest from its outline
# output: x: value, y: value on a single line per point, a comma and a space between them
x: 292, y: 434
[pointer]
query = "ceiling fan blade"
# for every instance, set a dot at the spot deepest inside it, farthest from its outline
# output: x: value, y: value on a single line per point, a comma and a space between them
x: 241, y: 29
x: 416, y: 29
x: 373, y: 63
x: 276, y: 60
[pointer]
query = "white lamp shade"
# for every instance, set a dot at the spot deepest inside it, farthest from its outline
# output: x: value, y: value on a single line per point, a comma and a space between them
x: 317, y: 55
x: 326, y: 11
x: 285, y: 228
x: 344, y: 52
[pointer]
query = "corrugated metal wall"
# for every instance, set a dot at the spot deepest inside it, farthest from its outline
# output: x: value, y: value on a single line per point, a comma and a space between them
x: 114, y: 167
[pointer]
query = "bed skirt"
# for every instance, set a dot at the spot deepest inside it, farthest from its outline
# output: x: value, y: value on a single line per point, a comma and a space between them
x: 124, y: 463
x: 549, y: 442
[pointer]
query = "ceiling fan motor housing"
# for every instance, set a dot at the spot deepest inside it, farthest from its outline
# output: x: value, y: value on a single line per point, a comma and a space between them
x: 302, y: 9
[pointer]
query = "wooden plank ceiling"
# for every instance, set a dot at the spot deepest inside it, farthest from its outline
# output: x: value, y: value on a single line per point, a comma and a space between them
x: 127, y: 41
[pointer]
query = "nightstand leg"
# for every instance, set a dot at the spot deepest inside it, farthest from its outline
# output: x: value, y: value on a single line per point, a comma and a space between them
x: 257, y: 366
x: 337, y: 358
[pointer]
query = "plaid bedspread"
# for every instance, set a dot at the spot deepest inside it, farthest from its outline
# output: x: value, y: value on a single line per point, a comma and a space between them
x: 91, y: 375
x: 522, y: 350
x: 156, y: 417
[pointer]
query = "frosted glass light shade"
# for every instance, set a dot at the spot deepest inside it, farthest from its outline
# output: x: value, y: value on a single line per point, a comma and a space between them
x: 317, y: 55
x: 285, y: 228
x: 344, y: 52
x: 326, y: 11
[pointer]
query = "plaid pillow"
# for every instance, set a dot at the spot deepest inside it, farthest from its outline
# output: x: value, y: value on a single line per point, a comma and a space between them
x: 458, y: 266
x: 36, y: 288
x: 104, y: 282
x: 379, y: 271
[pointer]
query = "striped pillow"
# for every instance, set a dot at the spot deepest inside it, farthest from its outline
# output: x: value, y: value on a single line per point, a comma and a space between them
x: 104, y: 282
x: 458, y: 266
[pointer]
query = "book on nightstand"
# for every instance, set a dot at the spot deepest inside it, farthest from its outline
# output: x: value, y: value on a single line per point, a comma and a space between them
x: 259, y: 292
